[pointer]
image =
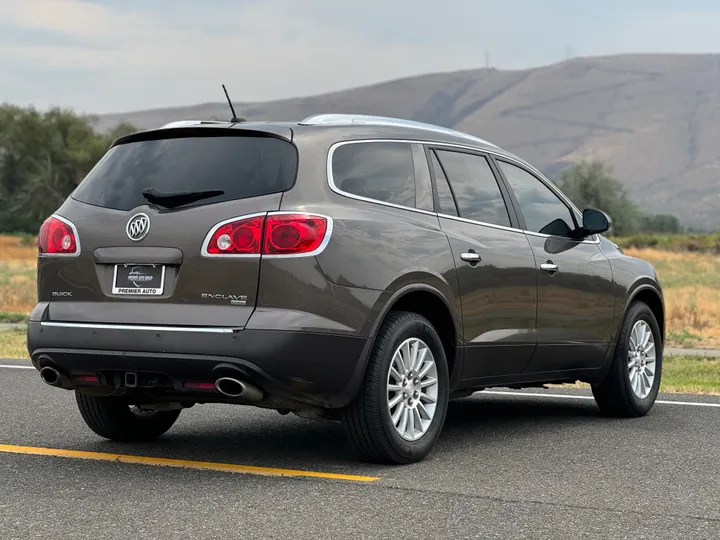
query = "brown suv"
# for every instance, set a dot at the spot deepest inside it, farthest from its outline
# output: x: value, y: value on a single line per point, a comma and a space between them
x: 350, y: 268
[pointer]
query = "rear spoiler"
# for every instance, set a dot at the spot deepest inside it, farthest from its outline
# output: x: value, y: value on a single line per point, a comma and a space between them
x: 180, y: 130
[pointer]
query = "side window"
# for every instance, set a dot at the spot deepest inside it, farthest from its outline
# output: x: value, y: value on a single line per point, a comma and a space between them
x: 544, y: 212
x: 423, y: 182
x: 445, y: 196
x: 475, y: 188
x: 383, y: 171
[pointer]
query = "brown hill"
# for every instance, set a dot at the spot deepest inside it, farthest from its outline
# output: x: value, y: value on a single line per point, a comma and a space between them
x: 654, y: 118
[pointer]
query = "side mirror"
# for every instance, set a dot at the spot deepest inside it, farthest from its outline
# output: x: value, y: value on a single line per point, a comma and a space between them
x: 595, y: 222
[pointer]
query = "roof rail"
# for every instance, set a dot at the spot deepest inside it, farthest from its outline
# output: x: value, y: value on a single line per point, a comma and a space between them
x: 363, y: 119
x: 186, y: 123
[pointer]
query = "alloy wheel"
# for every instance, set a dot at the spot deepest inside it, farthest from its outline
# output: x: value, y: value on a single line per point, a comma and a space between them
x: 642, y: 359
x: 412, y: 389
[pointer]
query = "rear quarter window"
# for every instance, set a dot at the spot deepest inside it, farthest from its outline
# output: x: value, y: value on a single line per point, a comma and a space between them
x: 382, y: 171
x: 240, y: 166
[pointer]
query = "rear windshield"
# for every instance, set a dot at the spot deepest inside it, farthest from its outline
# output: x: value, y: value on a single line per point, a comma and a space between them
x: 241, y: 166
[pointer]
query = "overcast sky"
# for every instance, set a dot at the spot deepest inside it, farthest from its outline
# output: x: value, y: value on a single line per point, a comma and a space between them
x: 119, y: 55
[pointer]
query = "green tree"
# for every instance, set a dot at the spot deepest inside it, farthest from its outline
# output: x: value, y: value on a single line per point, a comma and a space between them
x: 591, y: 185
x: 43, y: 157
x: 660, y: 223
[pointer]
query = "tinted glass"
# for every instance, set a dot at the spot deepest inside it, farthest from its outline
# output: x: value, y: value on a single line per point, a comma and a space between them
x: 445, y: 196
x: 242, y: 167
x: 380, y: 171
x: 423, y: 183
x: 475, y: 188
x: 544, y: 212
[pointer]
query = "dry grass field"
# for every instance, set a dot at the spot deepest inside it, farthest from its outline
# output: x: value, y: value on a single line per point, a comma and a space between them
x: 17, y: 276
x: 691, y: 283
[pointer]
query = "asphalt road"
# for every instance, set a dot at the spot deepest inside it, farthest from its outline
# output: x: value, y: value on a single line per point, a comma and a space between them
x: 507, y: 466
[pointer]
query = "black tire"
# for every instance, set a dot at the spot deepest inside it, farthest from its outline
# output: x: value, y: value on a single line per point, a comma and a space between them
x: 367, y: 419
x: 112, y: 418
x: 614, y: 395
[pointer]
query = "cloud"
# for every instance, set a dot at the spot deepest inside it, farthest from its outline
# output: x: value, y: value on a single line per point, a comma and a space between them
x: 144, y: 60
x: 115, y: 56
x: 671, y: 31
x: 68, y: 16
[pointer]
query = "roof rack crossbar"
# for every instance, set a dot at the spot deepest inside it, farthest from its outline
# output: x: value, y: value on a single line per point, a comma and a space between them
x: 186, y: 123
x: 364, y: 119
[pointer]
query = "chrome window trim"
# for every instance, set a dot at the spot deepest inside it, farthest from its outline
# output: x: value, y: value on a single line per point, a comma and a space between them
x: 596, y: 240
x: 100, y: 326
x: 69, y: 223
x: 473, y: 222
x: 334, y: 188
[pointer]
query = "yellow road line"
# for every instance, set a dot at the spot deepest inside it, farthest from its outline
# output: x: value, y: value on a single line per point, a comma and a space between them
x: 167, y: 462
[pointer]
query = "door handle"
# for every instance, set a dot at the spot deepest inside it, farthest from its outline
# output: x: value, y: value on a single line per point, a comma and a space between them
x: 470, y: 257
x: 549, y: 267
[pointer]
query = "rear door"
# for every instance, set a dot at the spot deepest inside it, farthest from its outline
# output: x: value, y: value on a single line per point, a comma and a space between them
x: 494, y: 261
x: 144, y: 258
x: 575, y: 283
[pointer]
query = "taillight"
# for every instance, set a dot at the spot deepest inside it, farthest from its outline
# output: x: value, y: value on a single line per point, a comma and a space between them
x: 58, y: 236
x: 89, y: 379
x: 293, y: 234
x: 199, y: 385
x: 241, y: 237
x: 272, y: 235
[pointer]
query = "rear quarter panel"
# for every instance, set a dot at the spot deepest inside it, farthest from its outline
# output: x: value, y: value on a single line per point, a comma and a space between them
x: 293, y: 294
x: 375, y: 250
x: 388, y: 250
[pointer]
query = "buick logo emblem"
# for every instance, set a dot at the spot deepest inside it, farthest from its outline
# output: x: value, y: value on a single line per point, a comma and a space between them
x: 138, y: 227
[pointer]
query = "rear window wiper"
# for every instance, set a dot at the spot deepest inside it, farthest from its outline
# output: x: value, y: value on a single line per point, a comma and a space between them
x: 174, y: 199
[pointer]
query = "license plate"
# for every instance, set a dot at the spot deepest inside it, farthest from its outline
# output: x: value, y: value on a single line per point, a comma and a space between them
x: 139, y: 279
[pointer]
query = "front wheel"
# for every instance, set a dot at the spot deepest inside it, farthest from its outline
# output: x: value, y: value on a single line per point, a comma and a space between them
x: 113, y: 418
x: 633, y: 380
x: 400, y: 410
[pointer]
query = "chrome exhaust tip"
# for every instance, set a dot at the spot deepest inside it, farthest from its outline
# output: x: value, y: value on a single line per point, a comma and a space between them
x: 50, y: 376
x: 229, y: 387
x: 234, y: 388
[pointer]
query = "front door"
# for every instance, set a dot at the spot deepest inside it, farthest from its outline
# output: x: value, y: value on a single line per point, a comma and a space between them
x: 494, y: 262
x: 575, y: 283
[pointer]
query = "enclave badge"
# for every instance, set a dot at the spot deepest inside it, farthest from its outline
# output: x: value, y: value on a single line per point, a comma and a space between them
x: 138, y: 227
x: 235, y: 299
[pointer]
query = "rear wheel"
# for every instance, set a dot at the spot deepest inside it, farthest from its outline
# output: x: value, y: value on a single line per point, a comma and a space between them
x: 114, y: 419
x: 633, y: 381
x: 400, y: 410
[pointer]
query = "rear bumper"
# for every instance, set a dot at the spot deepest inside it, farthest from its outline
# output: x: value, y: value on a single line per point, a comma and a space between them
x: 290, y: 367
